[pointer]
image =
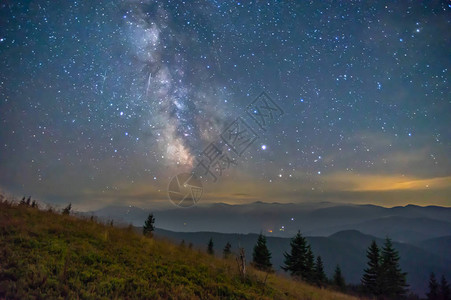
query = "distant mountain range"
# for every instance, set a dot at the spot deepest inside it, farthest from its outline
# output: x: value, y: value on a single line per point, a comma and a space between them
x: 409, y: 223
x: 340, y: 233
x: 345, y: 248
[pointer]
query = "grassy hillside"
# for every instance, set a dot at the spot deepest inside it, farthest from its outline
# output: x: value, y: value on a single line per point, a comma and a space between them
x: 46, y: 255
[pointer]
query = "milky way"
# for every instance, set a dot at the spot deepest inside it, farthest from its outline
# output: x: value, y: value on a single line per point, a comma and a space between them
x: 103, y: 102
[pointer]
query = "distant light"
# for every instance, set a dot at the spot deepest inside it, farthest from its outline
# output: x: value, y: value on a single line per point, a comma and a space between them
x: 263, y: 147
x: 302, y: 100
x: 410, y: 134
x: 292, y: 219
x: 319, y: 172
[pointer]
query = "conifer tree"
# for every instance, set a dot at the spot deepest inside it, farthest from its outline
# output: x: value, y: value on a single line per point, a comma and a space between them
x: 371, y: 278
x: 445, y: 292
x: 393, y: 280
x: 295, y: 261
x: 66, y: 210
x: 338, y: 279
x: 261, y: 257
x: 433, y: 293
x: 149, y: 227
x: 210, y: 247
x: 320, y: 275
x: 227, y: 250
x: 309, y: 265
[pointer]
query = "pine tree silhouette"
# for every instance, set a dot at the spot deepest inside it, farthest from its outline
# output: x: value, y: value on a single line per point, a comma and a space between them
x: 310, y: 265
x: 445, y: 291
x: 392, y: 278
x: 210, y: 247
x: 371, y: 280
x: 227, y: 250
x: 433, y: 293
x: 261, y: 257
x: 320, y: 275
x: 66, y: 210
x: 296, y: 262
x: 149, y: 226
x: 338, y: 279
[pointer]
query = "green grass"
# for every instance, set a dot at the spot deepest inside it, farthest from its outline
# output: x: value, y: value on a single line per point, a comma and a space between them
x: 46, y: 255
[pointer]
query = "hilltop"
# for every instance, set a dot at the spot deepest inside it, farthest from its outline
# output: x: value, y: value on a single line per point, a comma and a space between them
x: 48, y: 255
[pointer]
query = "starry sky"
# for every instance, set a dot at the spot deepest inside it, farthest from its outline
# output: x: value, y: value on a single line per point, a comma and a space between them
x: 103, y: 102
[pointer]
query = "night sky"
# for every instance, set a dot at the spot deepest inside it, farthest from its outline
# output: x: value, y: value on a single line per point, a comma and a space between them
x: 103, y: 102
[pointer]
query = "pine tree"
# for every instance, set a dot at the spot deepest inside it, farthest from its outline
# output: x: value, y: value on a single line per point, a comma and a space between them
x: 261, y: 257
x: 227, y: 250
x: 309, y: 265
x: 393, y: 280
x: 149, y: 227
x: 210, y: 247
x: 433, y: 293
x: 66, y: 210
x: 445, y: 292
x: 371, y: 279
x: 338, y: 279
x: 320, y: 275
x: 295, y: 261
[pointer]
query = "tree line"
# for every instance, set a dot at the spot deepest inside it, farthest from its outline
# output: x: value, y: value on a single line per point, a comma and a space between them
x: 383, y: 277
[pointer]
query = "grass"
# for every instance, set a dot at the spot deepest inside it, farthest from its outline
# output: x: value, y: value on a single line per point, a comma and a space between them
x: 46, y: 255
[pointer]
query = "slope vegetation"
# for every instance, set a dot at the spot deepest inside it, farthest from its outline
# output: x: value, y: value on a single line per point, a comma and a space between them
x: 46, y: 255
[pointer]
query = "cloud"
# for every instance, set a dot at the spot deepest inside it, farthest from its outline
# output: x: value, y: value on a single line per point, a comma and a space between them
x: 365, y: 182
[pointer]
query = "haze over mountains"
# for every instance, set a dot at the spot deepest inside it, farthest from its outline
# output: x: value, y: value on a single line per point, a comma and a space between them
x: 340, y: 233
x: 409, y: 223
x: 345, y: 248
